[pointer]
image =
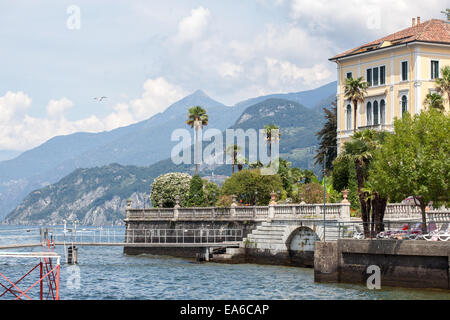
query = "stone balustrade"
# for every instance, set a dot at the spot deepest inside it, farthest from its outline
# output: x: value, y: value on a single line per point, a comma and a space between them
x: 407, y: 211
x: 284, y: 211
x: 339, y: 211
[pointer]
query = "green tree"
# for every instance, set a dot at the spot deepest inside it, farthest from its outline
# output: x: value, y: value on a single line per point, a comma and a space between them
x: 290, y: 177
x: 443, y: 84
x: 344, y: 178
x: 285, y: 175
x: 311, y: 193
x: 273, y: 134
x: 327, y: 138
x: 167, y: 187
x: 415, y: 160
x: 212, y: 193
x: 434, y: 100
x: 197, y: 118
x: 252, y: 187
x: 196, y: 195
x: 355, y: 90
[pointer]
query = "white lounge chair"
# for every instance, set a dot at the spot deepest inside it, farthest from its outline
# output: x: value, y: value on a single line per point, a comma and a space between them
x: 359, y: 234
x: 445, y: 235
x: 434, y: 233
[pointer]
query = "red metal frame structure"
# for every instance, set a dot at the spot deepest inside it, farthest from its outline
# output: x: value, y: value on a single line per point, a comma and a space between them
x: 48, y: 274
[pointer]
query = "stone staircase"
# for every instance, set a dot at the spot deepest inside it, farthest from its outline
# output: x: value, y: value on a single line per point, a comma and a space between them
x: 266, y: 236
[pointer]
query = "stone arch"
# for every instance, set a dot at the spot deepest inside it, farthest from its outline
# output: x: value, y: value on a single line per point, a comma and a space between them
x: 302, y: 238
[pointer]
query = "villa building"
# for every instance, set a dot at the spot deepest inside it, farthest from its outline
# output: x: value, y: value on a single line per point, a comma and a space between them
x: 400, y: 69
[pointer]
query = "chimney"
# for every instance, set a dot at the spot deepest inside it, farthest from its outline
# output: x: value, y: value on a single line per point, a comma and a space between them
x: 418, y: 20
x: 413, y: 22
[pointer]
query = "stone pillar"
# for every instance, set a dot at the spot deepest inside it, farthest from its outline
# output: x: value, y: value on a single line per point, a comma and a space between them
x: 344, y: 211
x: 176, y: 207
x: 233, y: 205
x: 318, y: 211
x: 326, y: 262
x: 272, y: 205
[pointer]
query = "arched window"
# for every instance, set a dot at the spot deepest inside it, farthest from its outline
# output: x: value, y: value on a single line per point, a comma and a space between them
x: 404, y: 105
x: 382, y: 111
x: 375, y: 113
x: 348, y: 113
x: 369, y: 113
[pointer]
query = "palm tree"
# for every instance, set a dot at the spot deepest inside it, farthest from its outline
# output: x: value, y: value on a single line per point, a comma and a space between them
x: 240, y: 162
x: 355, y: 90
x: 233, y: 151
x: 443, y: 84
x: 272, y: 134
x: 327, y: 137
x: 197, y: 118
x: 434, y: 100
x: 359, y: 150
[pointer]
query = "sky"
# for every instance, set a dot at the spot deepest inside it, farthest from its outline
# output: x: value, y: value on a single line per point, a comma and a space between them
x: 57, y: 56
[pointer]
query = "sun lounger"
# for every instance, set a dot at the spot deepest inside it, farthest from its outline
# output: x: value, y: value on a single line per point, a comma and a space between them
x: 445, y: 235
x: 359, y: 234
x: 433, y: 233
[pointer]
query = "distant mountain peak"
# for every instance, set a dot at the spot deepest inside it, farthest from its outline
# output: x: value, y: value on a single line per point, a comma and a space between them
x: 197, y: 98
x: 199, y: 92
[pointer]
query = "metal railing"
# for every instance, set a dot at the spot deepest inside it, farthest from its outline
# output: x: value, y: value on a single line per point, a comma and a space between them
x: 57, y: 234
x: 183, y: 235
x: 391, y: 229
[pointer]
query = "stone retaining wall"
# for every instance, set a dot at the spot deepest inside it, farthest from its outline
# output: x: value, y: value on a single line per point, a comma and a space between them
x: 403, y: 263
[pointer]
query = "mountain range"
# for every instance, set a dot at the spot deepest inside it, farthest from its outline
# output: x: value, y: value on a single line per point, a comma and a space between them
x: 147, y: 143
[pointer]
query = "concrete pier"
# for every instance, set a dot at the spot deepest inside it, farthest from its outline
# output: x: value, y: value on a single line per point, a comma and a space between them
x: 403, y: 263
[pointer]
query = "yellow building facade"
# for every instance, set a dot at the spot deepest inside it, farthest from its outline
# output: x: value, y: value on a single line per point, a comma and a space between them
x: 401, y: 70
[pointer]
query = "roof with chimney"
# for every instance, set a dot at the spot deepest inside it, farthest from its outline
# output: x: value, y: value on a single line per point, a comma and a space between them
x: 434, y: 31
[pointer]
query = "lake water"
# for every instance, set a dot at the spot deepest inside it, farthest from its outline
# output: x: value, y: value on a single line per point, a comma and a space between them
x: 106, y: 273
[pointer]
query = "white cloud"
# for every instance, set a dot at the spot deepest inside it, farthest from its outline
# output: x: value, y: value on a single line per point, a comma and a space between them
x: 356, y: 17
x: 229, y: 70
x: 158, y: 95
x: 285, y: 72
x: 12, y: 105
x: 20, y: 131
x: 57, y: 108
x: 279, y: 58
x: 192, y: 27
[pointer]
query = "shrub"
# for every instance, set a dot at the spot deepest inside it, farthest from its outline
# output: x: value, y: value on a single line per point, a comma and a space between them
x: 311, y: 193
x: 166, y: 187
x: 224, y: 201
